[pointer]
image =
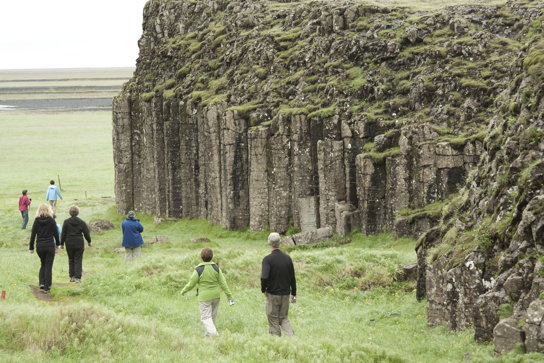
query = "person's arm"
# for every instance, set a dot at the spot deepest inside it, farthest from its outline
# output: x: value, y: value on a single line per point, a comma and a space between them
x: 63, y: 233
x: 293, y: 280
x: 33, y: 236
x: 58, y: 193
x: 140, y: 227
x: 27, y: 202
x: 265, y: 275
x: 224, y: 286
x: 192, y: 283
x: 56, y: 233
x: 86, y: 233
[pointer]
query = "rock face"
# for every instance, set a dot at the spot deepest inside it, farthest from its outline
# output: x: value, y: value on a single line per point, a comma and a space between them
x: 346, y: 116
x: 254, y: 114
x: 483, y: 264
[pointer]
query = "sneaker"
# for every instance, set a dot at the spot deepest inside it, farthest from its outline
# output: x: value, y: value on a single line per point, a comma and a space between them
x: 72, y: 279
x: 42, y: 287
x: 46, y: 291
x: 77, y: 280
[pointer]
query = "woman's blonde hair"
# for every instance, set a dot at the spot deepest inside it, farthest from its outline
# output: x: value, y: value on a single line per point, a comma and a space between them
x: 44, y: 210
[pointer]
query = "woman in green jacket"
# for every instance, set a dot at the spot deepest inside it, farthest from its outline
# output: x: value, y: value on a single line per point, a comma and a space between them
x: 210, y: 281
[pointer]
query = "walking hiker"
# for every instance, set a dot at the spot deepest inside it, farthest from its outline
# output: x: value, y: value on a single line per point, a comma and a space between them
x: 46, y: 236
x: 277, y: 282
x: 73, y: 231
x: 24, y: 203
x: 210, y: 281
x: 51, y: 195
x: 132, y: 238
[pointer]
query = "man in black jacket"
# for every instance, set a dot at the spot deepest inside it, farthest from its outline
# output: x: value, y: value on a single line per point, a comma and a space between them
x: 277, y: 283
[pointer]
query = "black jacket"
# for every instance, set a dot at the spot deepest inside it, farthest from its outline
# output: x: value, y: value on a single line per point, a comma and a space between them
x: 73, y: 230
x: 44, y: 230
x: 278, y: 274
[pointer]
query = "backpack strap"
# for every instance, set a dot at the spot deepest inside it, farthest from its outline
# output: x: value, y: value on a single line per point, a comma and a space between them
x: 200, y: 269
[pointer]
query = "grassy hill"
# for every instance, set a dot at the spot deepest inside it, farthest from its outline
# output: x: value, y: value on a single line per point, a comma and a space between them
x: 350, y: 307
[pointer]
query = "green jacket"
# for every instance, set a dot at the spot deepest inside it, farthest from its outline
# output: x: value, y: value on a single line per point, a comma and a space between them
x: 210, y: 283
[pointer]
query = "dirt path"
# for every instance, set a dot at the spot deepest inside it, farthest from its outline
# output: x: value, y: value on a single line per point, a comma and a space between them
x: 39, y: 294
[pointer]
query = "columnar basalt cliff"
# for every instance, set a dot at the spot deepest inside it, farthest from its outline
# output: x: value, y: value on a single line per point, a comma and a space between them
x: 483, y: 265
x: 270, y: 115
x: 341, y: 114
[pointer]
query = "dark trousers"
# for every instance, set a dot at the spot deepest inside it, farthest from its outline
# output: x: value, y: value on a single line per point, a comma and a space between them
x: 47, y: 256
x: 75, y: 259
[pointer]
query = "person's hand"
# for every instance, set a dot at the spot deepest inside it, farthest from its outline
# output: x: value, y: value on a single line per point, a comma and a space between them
x: 231, y: 302
x: 31, y: 251
x: 90, y: 244
x: 293, y: 299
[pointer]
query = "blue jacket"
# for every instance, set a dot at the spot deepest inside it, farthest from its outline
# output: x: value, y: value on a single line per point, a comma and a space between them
x: 131, y: 232
x: 52, y: 192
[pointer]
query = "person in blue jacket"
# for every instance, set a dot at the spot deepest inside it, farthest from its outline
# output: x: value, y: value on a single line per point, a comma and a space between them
x: 51, y: 195
x: 132, y: 238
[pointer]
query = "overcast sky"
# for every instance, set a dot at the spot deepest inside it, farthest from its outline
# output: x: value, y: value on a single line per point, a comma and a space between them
x: 69, y: 33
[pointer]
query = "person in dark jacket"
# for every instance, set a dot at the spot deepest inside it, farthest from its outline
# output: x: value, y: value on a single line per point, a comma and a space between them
x: 277, y: 282
x: 132, y: 238
x: 45, y: 234
x: 73, y: 231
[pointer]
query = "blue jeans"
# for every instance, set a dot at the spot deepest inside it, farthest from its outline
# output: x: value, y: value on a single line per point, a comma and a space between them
x: 24, y: 214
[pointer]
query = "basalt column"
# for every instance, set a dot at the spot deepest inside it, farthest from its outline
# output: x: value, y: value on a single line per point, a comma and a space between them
x: 234, y: 171
x: 259, y: 208
x: 123, y: 154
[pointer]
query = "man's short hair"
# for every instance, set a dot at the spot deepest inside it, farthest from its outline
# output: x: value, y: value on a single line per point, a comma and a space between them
x: 274, y: 240
x: 206, y: 254
x: 25, y: 191
x: 74, y: 211
x: 51, y: 182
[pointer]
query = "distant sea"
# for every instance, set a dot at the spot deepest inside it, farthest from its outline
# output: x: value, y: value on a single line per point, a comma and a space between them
x: 58, y: 90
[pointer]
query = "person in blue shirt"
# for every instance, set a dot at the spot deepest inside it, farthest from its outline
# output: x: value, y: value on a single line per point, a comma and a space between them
x: 51, y: 195
x: 132, y: 238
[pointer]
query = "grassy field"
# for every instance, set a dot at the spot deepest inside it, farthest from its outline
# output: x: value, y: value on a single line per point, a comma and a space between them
x: 349, y: 309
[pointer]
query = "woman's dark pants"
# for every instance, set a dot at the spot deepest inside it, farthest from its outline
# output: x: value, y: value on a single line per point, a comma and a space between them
x: 47, y: 256
x: 75, y: 259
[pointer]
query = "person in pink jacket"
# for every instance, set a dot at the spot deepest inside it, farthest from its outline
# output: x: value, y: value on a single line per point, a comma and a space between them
x: 24, y: 203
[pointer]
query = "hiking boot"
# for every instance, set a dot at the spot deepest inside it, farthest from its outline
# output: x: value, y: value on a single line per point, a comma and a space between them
x: 77, y: 280
x: 72, y: 279
x: 46, y: 291
x: 42, y: 287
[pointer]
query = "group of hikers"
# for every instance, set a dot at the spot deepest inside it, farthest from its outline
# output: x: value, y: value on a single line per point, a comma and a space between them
x: 278, y: 281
